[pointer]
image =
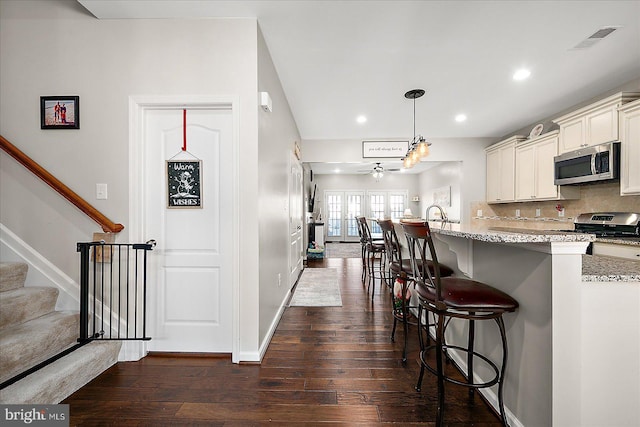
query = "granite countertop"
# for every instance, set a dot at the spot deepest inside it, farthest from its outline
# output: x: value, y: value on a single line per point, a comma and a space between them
x: 508, y: 235
x: 594, y: 268
x: 597, y: 268
x: 631, y: 241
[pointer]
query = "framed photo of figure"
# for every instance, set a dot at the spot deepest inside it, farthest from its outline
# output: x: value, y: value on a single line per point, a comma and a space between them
x: 59, y: 112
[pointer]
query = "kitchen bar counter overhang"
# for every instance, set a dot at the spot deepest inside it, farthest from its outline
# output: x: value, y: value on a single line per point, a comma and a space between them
x: 560, y: 339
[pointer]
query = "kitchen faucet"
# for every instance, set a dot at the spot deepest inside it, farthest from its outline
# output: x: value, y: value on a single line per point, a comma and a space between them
x: 443, y: 215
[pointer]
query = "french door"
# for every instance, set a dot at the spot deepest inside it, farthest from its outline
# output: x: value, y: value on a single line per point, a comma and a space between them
x: 342, y: 208
x: 385, y: 204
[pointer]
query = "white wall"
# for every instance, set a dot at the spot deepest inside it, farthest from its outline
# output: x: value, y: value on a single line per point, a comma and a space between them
x: 55, y: 47
x: 277, y: 134
x: 468, y: 151
x: 446, y: 176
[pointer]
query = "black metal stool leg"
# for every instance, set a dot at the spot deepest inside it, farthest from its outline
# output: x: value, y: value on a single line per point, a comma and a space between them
x: 472, y: 333
x: 422, y: 347
x: 406, y: 325
x: 505, y: 352
x: 395, y: 321
x: 440, y: 370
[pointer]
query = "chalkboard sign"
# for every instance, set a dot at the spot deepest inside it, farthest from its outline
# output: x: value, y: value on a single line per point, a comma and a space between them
x: 183, y: 184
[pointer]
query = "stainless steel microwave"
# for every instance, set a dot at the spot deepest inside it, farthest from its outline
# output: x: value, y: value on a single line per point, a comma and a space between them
x: 590, y: 164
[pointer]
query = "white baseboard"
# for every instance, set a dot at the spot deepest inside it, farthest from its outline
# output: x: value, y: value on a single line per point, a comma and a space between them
x: 41, y: 271
x: 272, y: 328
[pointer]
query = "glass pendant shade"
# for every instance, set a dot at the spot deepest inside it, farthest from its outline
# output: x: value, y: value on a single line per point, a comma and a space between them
x: 415, y: 157
x: 423, y: 149
x: 406, y: 163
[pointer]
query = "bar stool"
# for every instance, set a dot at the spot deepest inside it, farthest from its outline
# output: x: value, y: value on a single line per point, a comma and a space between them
x: 373, y: 247
x: 401, y: 269
x: 454, y: 297
x: 363, y: 246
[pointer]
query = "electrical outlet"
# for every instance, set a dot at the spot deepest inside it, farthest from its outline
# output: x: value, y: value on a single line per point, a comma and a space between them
x: 517, y: 212
x: 279, y: 279
x: 561, y: 213
x: 537, y: 212
x: 479, y: 212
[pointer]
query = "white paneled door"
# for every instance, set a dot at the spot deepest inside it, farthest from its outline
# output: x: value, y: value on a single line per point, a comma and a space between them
x: 190, y: 300
x: 296, y: 232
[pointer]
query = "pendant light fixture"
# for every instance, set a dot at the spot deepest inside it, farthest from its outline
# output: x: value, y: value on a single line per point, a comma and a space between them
x: 418, y: 147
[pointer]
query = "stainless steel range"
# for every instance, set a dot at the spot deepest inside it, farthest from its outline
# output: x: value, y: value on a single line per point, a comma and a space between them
x: 603, y: 224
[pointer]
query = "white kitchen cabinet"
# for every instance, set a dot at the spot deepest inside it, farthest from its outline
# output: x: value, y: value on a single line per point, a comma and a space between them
x: 631, y: 252
x: 594, y: 124
x: 535, y: 170
x: 630, y: 149
x: 501, y: 170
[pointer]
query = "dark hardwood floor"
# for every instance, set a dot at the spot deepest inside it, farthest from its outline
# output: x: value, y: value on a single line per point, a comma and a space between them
x: 325, y: 366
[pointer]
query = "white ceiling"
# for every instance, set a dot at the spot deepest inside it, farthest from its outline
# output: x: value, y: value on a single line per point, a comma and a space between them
x: 340, y: 59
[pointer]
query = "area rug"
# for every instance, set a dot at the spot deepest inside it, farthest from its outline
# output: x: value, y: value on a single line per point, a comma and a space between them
x: 317, y: 287
x: 343, y: 250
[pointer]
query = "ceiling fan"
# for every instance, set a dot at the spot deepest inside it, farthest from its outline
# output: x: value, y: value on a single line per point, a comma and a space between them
x: 377, y: 167
x: 378, y: 171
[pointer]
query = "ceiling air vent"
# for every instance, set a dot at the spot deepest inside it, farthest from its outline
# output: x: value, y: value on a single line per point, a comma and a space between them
x: 595, y: 37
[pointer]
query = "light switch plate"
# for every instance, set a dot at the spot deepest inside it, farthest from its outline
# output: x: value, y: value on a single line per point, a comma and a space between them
x: 517, y: 212
x: 537, y: 212
x: 479, y: 212
x: 101, y: 191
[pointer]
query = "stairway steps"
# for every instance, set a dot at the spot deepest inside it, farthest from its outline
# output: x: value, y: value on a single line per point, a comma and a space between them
x: 31, y: 332
x: 55, y: 382
x: 27, y: 344
x: 12, y: 275
x: 24, y: 304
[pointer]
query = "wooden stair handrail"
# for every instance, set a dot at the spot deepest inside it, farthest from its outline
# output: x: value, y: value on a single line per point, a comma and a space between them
x: 107, y: 225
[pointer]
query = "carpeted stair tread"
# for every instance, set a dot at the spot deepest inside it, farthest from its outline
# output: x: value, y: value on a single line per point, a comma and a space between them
x: 12, y: 275
x: 24, y: 304
x: 55, y: 382
x: 27, y: 344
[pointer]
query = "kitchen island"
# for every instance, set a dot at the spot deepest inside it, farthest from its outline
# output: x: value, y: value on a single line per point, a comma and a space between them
x: 571, y: 339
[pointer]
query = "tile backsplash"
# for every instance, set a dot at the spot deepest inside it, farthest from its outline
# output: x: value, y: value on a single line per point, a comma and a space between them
x: 593, y: 198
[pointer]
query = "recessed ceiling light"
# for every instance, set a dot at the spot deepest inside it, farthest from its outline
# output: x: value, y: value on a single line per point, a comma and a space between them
x: 521, y: 74
x: 336, y: 170
x: 361, y: 119
x: 461, y: 118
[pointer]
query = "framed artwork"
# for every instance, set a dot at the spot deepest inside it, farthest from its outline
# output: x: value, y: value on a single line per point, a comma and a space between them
x: 183, y: 184
x: 442, y: 196
x: 384, y: 149
x: 59, y: 112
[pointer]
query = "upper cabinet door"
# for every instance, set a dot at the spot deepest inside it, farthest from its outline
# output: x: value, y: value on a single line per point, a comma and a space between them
x: 630, y: 149
x: 602, y: 125
x: 501, y: 179
x: 594, y: 124
x: 545, y: 152
x: 572, y: 135
x: 525, y: 172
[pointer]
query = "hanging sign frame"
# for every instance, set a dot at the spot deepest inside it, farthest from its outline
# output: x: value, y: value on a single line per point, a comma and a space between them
x: 184, y: 179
